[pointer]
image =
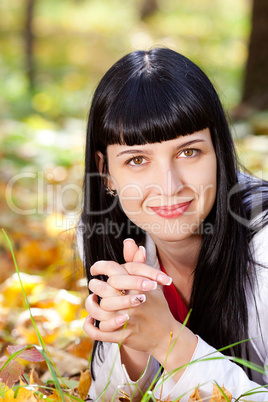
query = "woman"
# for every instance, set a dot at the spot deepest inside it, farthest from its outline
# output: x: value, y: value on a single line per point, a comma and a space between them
x: 161, y: 173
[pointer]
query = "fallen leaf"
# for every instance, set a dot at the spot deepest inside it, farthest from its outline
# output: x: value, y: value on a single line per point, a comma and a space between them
x: 24, y: 394
x: 11, y: 373
x: 84, y: 384
x: 56, y: 397
x: 125, y: 397
x: 34, y: 379
x: 217, y: 395
x: 31, y: 354
x: 7, y: 395
x: 81, y: 347
x: 195, y: 396
x: 66, y: 363
x: 11, y: 289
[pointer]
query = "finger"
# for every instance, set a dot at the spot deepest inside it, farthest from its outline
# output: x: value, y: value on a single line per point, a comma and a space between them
x: 129, y: 282
x: 122, y: 302
x: 95, y: 311
x: 102, y: 289
x: 140, y: 255
x: 114, y: 323
x: 111, y: 268
x: 97, y: 334
x: 129, y: 249
x: 106, y: 268
x: 148, y: 272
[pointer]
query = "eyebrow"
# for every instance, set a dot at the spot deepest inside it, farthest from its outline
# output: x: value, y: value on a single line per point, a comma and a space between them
x: 148, y: 152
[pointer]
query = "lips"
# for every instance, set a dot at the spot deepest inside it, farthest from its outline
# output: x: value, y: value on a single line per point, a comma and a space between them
x: 172, y: 211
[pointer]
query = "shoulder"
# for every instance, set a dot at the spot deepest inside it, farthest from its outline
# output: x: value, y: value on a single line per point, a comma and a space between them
x: 258, y: 302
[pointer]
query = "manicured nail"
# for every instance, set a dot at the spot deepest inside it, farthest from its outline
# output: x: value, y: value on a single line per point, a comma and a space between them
x: 149, y: 285
x: 128, y: 239
x: 164, y: 279
x: 143, y: 250
x: 137, y: 299
x: 121, y: 319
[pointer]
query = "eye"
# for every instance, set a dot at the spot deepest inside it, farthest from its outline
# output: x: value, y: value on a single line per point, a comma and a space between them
x: 189, y: 153
x: 136, y: 160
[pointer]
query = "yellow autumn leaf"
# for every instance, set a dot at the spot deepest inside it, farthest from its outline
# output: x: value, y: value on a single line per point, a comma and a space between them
x: 195, y: 396
x: 56, y: 397
x: 84, y: 384
x: 217, y: 395
x: 38, y: 253
x: 67, y: 305
x: 11, y: 289
x: 6, y: 394
x: 81, y: 347
x: 30, y: 336
x: 67, y: 310
x: 25, y: 394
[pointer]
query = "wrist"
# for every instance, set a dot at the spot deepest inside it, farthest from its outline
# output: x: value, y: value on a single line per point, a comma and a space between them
x: 178, y: 350
x: 134, y: 361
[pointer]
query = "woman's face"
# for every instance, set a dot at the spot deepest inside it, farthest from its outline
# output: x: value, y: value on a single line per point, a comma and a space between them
x: 166, y: 188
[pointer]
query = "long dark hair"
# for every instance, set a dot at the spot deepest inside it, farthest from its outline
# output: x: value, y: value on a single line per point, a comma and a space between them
x: 155, y: 96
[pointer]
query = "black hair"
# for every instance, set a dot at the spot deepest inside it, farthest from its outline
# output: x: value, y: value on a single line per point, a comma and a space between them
x: 153, y: 96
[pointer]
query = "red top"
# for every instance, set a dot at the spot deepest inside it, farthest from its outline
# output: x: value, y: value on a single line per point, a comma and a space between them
x: 176, y: 305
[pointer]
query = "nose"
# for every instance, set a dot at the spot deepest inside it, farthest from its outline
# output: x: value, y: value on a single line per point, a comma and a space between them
x: 169, y: 180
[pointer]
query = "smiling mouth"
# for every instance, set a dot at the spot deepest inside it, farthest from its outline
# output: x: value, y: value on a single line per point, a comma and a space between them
x: 172, y: 211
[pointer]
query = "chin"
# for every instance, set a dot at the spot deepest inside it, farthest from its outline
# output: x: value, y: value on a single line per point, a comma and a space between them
x: 172, y: 231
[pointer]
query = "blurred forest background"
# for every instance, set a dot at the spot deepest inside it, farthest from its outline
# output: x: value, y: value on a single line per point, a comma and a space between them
x: 53, y: 53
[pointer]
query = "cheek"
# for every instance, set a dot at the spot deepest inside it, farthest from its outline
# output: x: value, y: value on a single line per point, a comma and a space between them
x: 208, y: 190
x: 131, y: 196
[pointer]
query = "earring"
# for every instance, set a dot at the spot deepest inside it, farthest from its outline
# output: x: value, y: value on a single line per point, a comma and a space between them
x: 110, y: 192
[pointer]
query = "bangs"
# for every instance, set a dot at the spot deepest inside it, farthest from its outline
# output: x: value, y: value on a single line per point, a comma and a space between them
x: 154, y: 105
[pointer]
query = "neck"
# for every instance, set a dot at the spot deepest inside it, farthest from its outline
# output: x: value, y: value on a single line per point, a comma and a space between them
x: 179, y: 260
x: 182, y: 255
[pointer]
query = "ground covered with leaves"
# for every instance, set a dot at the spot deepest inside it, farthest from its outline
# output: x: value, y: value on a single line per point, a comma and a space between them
x: 40, y: 202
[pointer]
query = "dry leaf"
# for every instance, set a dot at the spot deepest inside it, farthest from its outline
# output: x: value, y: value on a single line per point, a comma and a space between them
x: 25, y: 394
x: 195, y: 396
x: 8, y: 394
x: 34, y: 379
x: 81, y: 347
x: 11, y: 289
x: 84, y: 384
x: 31, y: 354
x: 56, y: 397
x: 66, y: 363
x: 11, y: 373
x: 125, y: 397
x: 217, y: 394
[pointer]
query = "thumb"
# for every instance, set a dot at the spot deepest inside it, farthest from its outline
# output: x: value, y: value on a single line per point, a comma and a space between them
x: 133, y: 253
x: 140, y: 255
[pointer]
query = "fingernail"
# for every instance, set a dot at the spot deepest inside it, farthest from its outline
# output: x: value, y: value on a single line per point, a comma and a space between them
x: 143, y: 250
x: 164, y: 279
x: 149, y: 285
x: 137, y: 299
x: 128, y: 239
x: 121, y: 319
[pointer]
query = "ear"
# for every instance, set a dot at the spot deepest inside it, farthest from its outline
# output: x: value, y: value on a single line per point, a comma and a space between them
x: 100, y: 162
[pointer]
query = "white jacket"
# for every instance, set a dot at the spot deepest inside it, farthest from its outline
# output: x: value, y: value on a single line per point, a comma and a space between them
x: 112, y: 376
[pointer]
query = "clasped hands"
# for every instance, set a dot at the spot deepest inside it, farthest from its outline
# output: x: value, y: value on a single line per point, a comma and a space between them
x: 143, y: 308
